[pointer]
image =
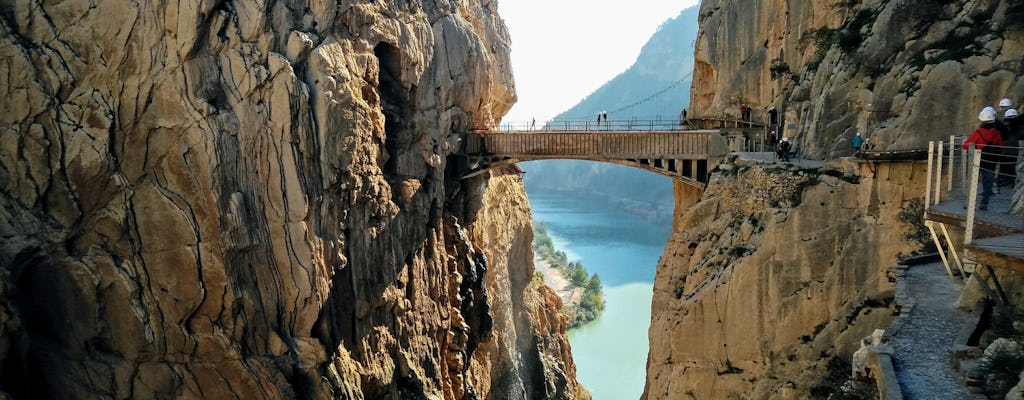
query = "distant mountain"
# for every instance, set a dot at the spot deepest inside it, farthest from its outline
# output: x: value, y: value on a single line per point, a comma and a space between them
x: 657, y: 85
x: 660, y: 75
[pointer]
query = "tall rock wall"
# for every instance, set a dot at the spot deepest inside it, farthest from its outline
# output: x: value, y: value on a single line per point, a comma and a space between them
x: 775, y: 272
x: 901, y: 72
x: 258, y: 199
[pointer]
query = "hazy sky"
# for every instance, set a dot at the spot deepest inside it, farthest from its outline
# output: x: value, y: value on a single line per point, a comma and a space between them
x: 563, y: 50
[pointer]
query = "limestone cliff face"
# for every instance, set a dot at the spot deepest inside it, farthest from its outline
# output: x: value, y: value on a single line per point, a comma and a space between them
x: 902, y: 72
x: 772, y: 273
x: 257, y: 199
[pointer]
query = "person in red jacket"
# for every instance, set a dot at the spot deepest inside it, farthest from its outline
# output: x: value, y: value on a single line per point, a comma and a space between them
x: 987, y: 139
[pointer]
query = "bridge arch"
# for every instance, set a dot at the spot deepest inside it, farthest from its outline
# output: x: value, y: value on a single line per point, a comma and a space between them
x: 690, y: 172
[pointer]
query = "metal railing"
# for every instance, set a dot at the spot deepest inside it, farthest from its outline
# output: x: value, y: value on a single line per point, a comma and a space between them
x: 954, y: 172
x: 645, y: 124
x: 953, y: 176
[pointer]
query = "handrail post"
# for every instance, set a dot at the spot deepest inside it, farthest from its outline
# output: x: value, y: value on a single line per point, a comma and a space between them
x: 928, y: 181
x: 938, y: 173
x: 972, y: 195
x: 952, y: 151
x: 963, y: 171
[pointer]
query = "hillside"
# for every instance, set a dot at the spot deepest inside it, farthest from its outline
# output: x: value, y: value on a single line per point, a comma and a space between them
x: 657, y: 85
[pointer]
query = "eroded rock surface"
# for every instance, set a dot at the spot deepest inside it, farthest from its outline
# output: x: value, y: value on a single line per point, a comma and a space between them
x: 901, y: 72
x: 258, y: 200
x: 773, y: 273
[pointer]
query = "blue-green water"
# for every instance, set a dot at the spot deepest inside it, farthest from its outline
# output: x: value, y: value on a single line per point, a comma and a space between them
x: 610, y: 352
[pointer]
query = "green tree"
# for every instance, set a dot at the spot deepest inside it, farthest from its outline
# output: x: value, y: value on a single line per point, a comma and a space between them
x: 594, y: 285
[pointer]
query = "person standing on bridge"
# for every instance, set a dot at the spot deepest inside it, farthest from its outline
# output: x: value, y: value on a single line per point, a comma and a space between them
x: 533, y: 124
x: 743, y: 112
x: 598, y: 119
x: 987, y: 139
x: 857, y: 142
x: 773, y: 117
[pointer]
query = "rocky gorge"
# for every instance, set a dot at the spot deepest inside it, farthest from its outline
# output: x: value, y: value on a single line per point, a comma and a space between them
x: 259, y: 200
x: 775, y: 273
x: 215, y: 199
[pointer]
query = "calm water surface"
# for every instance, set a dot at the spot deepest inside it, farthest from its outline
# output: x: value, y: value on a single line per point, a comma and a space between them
x: 610, y: 352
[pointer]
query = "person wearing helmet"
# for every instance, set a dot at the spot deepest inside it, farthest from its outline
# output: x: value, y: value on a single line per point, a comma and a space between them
x: 1000, y: 168
x: 783, y: 149
x: 987, y: 139
x: 1005, y: 104
x: 1014, y: 133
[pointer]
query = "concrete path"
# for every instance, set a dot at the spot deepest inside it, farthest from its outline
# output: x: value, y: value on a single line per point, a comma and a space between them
x: 768, y: 157
x: 923, y: 336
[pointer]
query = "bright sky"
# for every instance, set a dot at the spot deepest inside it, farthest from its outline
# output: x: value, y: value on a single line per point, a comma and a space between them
x: 563, y: 50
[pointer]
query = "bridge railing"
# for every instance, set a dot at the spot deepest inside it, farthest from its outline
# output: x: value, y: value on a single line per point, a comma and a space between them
x: 582, y: 145
x: 635, y: 125
x: 650, y: 124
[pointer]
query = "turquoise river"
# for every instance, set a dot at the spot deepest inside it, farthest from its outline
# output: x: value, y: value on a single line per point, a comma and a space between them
x: 610, y: 352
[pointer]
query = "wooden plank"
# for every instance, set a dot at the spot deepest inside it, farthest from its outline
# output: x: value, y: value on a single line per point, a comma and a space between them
x: 1006, y: 252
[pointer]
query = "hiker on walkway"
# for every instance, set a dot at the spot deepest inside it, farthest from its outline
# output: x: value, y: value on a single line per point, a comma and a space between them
x: 533, y: 124
x: 783, y: 151
x: 743, y: 112
x: 746, y: 116
x: 987, y: 139
x: 682, y: 119
x: 1004, y: 131
x: 598, y: 119
x: 1004, y: 105
x: 1008, y: 168
x: 857, y: 142
x: 772, y: 141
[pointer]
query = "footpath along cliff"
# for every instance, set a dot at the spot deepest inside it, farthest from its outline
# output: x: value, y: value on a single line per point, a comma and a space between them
x: 774, y: 274
x: 258, y: 200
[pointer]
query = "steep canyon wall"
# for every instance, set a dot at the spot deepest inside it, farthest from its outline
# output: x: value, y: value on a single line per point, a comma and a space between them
x: 900, y: 72
x: 256, y: 199
x: 773, y: 273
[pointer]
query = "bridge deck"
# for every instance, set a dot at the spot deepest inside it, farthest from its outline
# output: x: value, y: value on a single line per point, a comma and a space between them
x: 593, y: 145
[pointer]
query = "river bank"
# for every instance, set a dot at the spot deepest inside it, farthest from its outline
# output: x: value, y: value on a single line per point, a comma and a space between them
x: 556, y: 280
x: 610, y: 352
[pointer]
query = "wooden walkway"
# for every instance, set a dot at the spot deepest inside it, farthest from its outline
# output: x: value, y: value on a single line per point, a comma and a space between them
x: 1005, y: 252
x: 993, y: 237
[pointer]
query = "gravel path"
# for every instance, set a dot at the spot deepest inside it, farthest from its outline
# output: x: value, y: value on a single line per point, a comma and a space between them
x: 554, y: 279
x: 924, y: 338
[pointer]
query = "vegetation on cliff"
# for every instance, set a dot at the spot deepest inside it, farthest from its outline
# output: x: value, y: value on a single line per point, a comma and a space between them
x: 590, y: 302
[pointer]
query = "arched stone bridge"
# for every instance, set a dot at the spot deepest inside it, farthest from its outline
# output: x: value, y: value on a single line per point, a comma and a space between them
x: 684, y: 155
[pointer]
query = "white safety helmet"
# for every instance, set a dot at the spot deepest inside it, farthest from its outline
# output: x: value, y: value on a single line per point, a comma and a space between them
x: 1011, y: 114
x: 987, y: 115
x: 1005, y: 103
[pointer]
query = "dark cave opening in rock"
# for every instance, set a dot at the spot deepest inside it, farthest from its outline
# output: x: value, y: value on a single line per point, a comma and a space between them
x: 396, y: 104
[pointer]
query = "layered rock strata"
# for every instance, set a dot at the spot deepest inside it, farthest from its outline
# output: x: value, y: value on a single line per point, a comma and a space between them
x: 776, y: 271
x: 260, y: 200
